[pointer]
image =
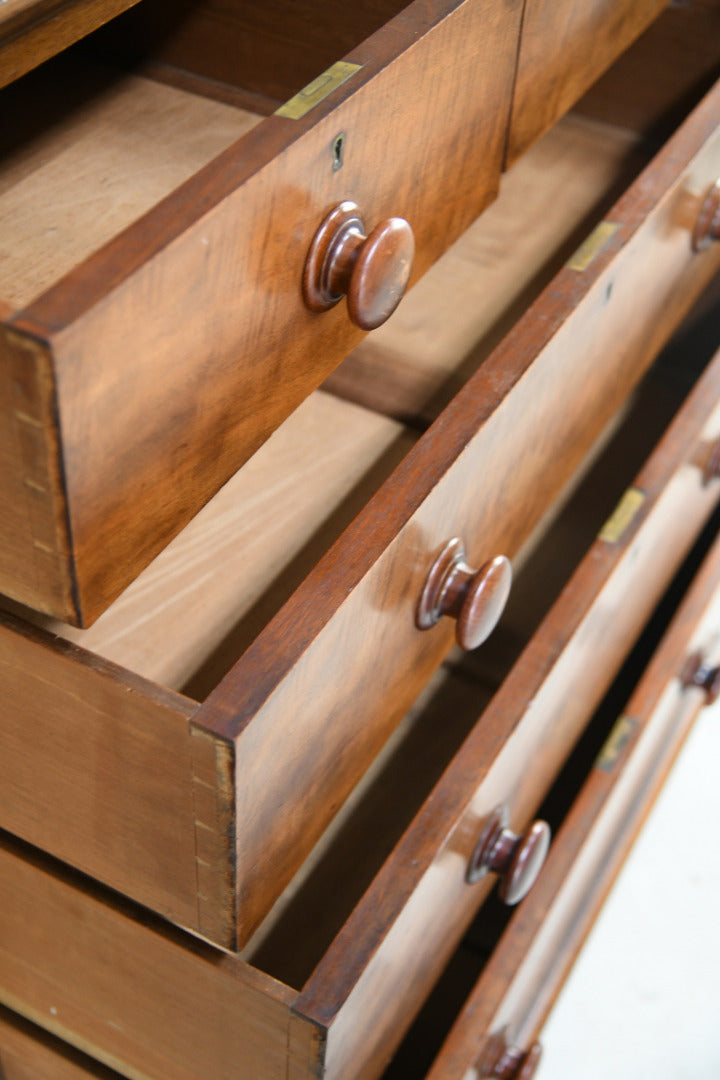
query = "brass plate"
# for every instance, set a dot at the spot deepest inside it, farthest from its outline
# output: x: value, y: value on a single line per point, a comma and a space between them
x: 615, y: 745
x: 316, y: 91
x: 592, y: 246
x: 622, y: 516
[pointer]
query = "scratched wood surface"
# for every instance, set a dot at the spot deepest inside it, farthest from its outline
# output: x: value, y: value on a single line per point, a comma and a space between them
x: 405, y: 916
x: 74, y: 725
x: 591, y: 335
x: 132, y: 993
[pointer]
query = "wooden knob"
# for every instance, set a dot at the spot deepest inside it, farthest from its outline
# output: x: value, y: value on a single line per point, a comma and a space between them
x: 372, y: 271
x: 518, y: 859
x: 707, y: 227
x: 710, y: 461
x: 697, y: 673
x: 476, y: 598
x: 511, y: 1063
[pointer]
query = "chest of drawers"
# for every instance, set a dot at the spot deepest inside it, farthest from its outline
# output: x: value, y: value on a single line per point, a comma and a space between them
x: 191, y: 751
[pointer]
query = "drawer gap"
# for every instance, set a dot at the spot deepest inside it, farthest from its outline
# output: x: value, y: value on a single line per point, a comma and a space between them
x: 461, y: 309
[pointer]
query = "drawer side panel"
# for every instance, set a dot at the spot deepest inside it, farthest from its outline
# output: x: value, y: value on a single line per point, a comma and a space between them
x: 35, y: 566
x: 149, y: 1002
x: 95, y: 767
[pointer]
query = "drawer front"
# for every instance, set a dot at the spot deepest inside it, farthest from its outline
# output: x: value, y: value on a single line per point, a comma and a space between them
x: 399, y: 939
x: 157, y: 366
x: 344, y: 658
x: 495, y: 1035
x: 564, y: 48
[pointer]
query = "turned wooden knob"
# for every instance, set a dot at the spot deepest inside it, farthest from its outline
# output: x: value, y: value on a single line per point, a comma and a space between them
x: 372, y: 271
x: 711, y: 467
x: 707, y: 227
x: 512, y: 1063
x: 697, y: 673
x: 476, y: 598
x: 518, y: 859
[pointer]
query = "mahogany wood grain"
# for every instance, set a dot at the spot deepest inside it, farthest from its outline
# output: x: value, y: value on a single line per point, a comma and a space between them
x: 564, y: 48
x: 132, y: 994
x: 200, y: 299
x: 33, y: 30
x: 82, y: 743
x: 183, y: 1011
x: 29, y: 1053
x: 184, y: 621
x: 354, y: 613
x: 179, y: 1010
x: 510, y: 758
x: 671, y: 65
x: 271, y: 49
x: 589, y: 337
x: 34, y: 543
x: 73, y: 725
x: 520, y: 982
x: 455, y: 316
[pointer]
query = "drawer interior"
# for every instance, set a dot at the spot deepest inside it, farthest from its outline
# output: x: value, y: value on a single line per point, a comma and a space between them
x: 92, y: 149
x: 103, y: 133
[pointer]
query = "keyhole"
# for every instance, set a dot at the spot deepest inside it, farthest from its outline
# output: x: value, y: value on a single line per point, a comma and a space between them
x: 337, y: 149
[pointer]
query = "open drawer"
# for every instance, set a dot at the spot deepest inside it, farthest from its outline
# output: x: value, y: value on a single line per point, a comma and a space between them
x: 346, y: 958
x: 496, y: 1033
x: 155, y: 329
x: 203, y: 807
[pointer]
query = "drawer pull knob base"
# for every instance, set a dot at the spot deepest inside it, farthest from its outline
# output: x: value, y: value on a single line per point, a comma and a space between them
x: 707, y: 227
x: 697, y: 673
x: 372, y: 271
x: 476, y: 598
x: 503, y: 1062
x: 517, y: 858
